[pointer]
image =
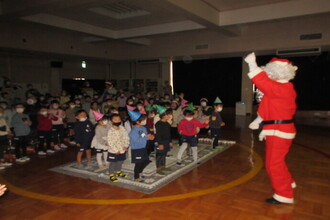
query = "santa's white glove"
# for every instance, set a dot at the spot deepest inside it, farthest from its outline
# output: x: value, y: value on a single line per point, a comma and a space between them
x: 256, y: 123
x: 251, y: 61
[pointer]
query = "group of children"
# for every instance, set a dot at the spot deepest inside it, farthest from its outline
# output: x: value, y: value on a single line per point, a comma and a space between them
x: 149, y: 127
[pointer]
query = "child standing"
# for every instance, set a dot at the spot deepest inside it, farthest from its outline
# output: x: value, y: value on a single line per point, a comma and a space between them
x: 21, y: 124
x: 71, y: 119
x: 188, y: 129
x: 44, y: 129
x: 58, y: 127
x: 118, y: 142
x: 4, y: 133
x: 100, y: 142
x: 163, y: 139
x: 84, y: 134
x: 216, y: 122
x: 138, y: 140
x: 151, y: 128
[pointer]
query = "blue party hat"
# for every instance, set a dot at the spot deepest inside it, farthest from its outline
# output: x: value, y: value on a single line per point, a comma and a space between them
x: 134, y: 115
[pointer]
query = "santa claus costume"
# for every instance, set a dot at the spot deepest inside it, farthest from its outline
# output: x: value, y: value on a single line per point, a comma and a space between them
x: 276, y: 111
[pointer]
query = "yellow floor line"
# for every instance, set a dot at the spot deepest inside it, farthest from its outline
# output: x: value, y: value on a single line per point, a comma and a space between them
x: 22, y: 192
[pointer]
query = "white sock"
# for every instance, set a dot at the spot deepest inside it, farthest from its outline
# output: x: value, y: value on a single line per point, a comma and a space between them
x: 183, y: 147
x: 99, y: 159
x: 194, y: 151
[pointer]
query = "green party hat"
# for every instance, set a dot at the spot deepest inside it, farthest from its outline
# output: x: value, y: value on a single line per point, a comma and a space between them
x: 190, y: 107
x: 217, y: 101
x: 160, y: 109
x: 149, y: 108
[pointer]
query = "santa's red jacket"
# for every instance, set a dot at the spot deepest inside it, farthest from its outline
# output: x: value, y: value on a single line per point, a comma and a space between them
x: 278, y: 103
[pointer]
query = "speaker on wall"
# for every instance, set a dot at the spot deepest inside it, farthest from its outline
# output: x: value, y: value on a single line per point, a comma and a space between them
x: 56, y: 64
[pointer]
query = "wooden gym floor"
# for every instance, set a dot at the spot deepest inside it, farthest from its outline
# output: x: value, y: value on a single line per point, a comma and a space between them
x: 229, y: 186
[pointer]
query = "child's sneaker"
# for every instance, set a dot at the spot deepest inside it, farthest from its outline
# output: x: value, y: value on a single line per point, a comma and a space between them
x: 179, y: 163
x: 57, y: 148
x: 63, y: 146
x: 121, y: 174
x: 41, y: 153
x: 50, y: 151
x: 20, y: 160
x: 73, y: 142
x: 113, y: 178
x: 5, y: 164
x: 139, y: 180
x: 2, y: 168
x: 80, y: 167
x: 25, y: 158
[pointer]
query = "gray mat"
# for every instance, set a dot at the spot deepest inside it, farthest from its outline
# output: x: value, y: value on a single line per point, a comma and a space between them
x: 152, y: 181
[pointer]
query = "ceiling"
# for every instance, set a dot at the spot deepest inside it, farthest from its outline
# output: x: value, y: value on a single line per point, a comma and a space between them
x: 137, y: 21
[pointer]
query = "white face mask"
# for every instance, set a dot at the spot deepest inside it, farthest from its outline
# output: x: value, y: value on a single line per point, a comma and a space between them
x: 20, y: 110
x: 43, y: 113
x: 203, y: 104
x: 139, y: 107
x: 72, y: 106
x: 82, y: 119
x: 105, y: 122
x: 219, y: 109
x: 130, y: 103
x: 144, y: 122
x: 152, y: 115
x: 189, y: 118
x: 55, y: 106
x: 4, y: 106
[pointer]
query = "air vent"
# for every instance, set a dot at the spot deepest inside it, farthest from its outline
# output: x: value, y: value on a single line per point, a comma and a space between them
x: 120, y: 10
x: 311, y: 36
x: 202, y: 47
x: 148, y: 61
x: 299, y: 51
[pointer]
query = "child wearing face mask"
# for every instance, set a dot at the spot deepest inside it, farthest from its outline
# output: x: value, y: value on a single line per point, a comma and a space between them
x: 118, y: 142
x: 138, y: 140
x: 151, y: 128
x: 44, y: 129
x: 99, y: 141
x: 84, y: 134
x: 216, y: 122
x: 21, y: 124
x: 188, y: 130
x: 58, y: 126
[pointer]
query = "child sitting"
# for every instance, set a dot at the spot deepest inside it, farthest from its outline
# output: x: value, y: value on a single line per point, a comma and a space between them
x: 216, y: 122
x: 138, y: 140
x: 21, y: 124
x: 118, y: 142
x: 163, y: 139
x: 84, y: 133
x: 44, y: 129
x: 188, y: 129
x: 100, y: 142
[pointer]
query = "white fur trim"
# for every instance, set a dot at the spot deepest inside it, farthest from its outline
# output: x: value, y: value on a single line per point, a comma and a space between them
x: 281, y: 63
x: 283, y: 199
x: 254, y: 72
x: 277, y: 133
x: 282, y: 81
x: 293, y: 185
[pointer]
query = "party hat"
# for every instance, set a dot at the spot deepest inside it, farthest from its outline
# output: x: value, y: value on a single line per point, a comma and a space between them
x: 160, y: 109
x: 184, y: 103
x: 98, y: 115
x: 190, y: 107
x: 142, y: 111
x: 146, y: 102
x: 217, y: 101
x: 130, y: 107
x: 149, y: 108
x: 134, y: 115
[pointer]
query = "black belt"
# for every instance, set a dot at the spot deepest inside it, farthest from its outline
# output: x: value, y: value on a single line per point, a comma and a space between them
x: 277, y: 122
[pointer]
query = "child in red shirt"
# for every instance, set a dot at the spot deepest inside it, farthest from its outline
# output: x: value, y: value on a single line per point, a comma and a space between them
x: 44, y: 130
x: 188, y: 130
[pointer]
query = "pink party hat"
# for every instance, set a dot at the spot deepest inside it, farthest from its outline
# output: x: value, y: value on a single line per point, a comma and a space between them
x: 184, y: 103
x: 130, y: 107
x: 97, y: 115
x: 146, y: 102
x: 142, y: 111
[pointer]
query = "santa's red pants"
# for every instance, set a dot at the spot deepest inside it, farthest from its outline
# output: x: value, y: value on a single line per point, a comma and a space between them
x: 276, y: 150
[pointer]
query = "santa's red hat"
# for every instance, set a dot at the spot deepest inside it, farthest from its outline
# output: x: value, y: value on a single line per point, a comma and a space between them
x: 282, y: 62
